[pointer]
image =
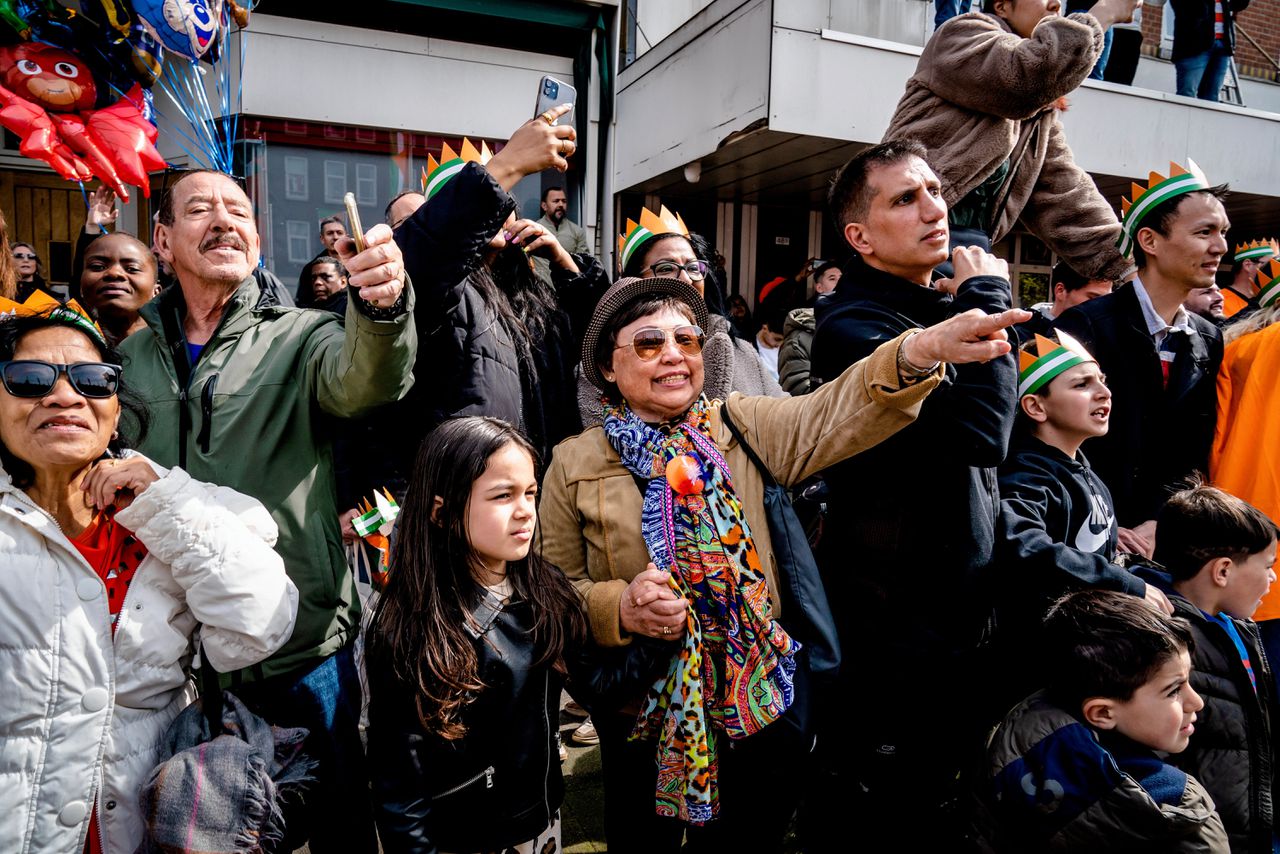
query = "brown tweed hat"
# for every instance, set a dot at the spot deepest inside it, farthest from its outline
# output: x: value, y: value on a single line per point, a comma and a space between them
x: 619, y: 294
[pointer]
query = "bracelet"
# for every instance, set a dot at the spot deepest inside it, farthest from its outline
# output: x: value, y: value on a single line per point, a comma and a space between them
x: 909, y: 371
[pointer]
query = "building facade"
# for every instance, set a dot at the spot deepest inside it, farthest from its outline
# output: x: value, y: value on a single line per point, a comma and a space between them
x: 796, y: 87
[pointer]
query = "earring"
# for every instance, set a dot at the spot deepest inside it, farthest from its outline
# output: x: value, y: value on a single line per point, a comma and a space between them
x: 115, y: 434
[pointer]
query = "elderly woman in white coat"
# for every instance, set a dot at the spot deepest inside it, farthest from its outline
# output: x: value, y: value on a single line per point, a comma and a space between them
x: 109, y: 566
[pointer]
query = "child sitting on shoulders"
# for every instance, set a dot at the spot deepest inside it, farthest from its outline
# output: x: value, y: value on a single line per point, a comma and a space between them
x: 1217, y: 553
x: 1075, y: 767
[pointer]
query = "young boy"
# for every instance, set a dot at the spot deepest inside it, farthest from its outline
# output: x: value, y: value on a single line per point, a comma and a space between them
x: 1057, y: 529
x: 1217, y: 552
x: 1074, y: 767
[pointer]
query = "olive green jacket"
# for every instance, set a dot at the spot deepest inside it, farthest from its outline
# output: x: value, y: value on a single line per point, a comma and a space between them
x: 252, y: 417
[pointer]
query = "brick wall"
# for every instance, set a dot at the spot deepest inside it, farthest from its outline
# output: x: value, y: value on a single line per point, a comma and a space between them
x: 1261, y: 21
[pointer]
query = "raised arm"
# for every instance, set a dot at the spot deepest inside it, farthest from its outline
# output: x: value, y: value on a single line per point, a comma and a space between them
x: 975, y: 63
x: 367, y: 360
x: 870, y: 401
x: 445, y: 239
x: 1068, y: 213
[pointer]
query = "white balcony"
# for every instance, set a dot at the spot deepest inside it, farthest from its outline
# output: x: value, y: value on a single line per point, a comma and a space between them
x: 771, y: 98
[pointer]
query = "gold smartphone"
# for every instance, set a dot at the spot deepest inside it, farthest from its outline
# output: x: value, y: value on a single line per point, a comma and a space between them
x: 353, y: 221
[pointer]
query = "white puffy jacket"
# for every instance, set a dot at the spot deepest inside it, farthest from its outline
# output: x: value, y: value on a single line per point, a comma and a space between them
x: 82, y: 716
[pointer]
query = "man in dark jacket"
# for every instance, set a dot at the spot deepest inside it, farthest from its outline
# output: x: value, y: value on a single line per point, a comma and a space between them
x: 1161, y: 362
x: 915, y: 515
x: 1204, y: 39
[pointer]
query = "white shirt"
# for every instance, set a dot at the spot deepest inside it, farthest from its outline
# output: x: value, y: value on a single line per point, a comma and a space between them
x: 768, y: 357
x: 1155, y: 323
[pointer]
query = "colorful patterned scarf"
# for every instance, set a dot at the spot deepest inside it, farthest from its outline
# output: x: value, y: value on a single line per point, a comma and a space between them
x: 736, y: 665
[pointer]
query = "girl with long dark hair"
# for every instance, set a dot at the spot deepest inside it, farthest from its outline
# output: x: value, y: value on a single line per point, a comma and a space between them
x: 467, y: 654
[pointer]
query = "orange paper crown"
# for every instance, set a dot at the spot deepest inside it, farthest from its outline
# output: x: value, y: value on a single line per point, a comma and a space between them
x: 438, y: 173
x: 1181, y: 180
x: 1043, y: 359
x: 1269, y: 283
x: 1260, y: 249
x: 650, y: 225
x: 41, y: 304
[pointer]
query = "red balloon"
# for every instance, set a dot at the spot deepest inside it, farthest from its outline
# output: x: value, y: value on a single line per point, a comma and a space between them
x: 49, y: 105
x: 54, y: 79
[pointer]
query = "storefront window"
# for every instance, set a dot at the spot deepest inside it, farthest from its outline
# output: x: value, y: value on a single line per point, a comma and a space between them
x: 298, y: 172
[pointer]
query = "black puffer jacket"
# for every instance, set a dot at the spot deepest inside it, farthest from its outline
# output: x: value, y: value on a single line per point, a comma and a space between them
x: 466, y: 359
x: 1232, y: 751
x: 500, y: 784
x: 917, y: 513
x: 469, y: 361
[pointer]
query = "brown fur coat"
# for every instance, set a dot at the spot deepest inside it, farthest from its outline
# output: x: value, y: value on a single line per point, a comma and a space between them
x: 978, y: 92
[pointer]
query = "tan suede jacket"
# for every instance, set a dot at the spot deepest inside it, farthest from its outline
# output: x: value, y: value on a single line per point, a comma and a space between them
x: 590, y: 509
x: 982, y: 93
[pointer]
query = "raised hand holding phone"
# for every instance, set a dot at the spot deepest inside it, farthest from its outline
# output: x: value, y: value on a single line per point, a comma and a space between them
x: 353, y: 222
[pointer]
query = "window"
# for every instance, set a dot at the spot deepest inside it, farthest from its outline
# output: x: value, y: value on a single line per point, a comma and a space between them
x: 335, y: 181
x: 299, y: 235
x: 366, y: 183
x: 1032, y: 272
x: 296, y: 177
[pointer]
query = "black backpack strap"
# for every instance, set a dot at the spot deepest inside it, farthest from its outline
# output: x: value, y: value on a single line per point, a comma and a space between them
x: 750, y: 452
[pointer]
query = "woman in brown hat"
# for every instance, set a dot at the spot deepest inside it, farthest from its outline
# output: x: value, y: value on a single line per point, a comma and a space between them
x: 658, y: 518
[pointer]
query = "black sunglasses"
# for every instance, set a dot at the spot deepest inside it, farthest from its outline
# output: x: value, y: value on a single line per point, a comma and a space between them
x: 31, y: 378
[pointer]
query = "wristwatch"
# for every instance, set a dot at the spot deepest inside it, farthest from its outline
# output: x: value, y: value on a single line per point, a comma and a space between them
x: 909, y: 372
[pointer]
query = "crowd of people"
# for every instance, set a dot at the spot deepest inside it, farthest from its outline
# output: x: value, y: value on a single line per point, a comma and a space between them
x: 894, y: 566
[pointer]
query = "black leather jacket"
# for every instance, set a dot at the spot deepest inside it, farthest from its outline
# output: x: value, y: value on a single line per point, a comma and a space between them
x: 500, y: 784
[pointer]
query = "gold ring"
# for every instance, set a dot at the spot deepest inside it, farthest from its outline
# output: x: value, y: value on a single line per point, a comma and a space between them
x: 666, y: 630
x: 547, y: 117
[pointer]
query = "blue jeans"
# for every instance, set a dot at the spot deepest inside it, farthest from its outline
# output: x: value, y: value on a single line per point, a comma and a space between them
x: 945, y: 10
x: 1201, y: 76
x: 336, y: 814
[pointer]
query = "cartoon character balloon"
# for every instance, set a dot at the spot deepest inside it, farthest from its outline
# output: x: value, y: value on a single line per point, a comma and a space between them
x: 187, y: 27
x: 47, y: 99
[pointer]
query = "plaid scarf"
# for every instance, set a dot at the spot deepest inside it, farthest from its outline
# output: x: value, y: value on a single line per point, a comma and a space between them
x: 736, y: 664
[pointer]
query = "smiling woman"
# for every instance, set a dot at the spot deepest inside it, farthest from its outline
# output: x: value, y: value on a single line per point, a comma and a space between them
x: 658, y: 518
x: 119, y: 278
x: 89, y: 523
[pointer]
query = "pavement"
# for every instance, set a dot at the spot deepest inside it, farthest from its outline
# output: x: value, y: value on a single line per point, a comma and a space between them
x: 582, y: 816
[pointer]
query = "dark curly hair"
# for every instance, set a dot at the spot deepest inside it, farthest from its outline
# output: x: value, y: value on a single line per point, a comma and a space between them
x: 134, y: 416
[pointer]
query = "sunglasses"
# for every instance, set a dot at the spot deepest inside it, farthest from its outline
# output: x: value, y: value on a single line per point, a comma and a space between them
x: 29, y: 378
x: 25, y: 256
x: 648, y: 342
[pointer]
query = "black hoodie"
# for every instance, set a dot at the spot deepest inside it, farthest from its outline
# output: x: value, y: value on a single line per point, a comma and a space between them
x: 1057, y: 533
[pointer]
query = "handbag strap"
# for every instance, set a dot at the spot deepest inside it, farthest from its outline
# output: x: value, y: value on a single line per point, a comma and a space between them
x: 210, y: 694
x: 765, y: 474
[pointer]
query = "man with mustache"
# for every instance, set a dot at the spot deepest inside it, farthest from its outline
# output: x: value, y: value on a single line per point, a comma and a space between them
x: 238, y: 388
x: 915, y: 515
x: 1160, y: 360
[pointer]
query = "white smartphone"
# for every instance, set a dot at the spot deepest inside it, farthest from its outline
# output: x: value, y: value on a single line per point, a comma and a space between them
x: 553, y: 93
